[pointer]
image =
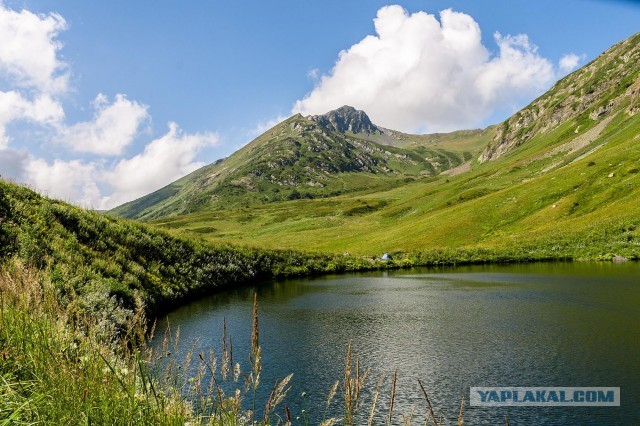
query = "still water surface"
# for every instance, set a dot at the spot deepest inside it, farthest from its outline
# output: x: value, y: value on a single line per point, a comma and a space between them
x: 554, y: 324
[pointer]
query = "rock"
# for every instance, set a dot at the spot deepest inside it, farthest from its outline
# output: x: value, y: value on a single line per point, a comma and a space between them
x: 611, y: 175
x: 619, y: 259
x: 345, y: 119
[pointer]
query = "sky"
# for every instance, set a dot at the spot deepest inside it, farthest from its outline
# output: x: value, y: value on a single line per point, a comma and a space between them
x: 104, y: 102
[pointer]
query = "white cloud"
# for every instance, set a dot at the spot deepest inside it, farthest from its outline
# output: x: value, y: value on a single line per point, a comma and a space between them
x: 13, y: 164
x: 30, y: 66
x: 569, y: 62
x: 516, y: 72
x: 43, y: 109
x: 113, y: 128
x: 28, y: 50
x: 37, y: 78
x: 421, y: 74
x: 73, y: 181
x: 96, y: 184
x: 163, y: 161
x: 313, y: 74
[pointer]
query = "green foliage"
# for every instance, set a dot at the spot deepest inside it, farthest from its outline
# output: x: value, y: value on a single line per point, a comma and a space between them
x: 60, y: 368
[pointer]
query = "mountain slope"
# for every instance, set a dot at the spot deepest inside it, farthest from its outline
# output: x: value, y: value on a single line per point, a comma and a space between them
x: 109, y: 266
x: 591, y: 94
x: 561, y: 176
x: 308, y: 157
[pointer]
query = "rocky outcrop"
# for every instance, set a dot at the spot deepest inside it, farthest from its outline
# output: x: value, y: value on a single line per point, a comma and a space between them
x: 346, y: 119
x: 596, y: 90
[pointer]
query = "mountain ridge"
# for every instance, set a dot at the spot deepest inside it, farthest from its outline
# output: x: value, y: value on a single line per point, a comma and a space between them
x: 346, y: 119
x: 560, y: 176
x: 592, y: 91
x: 306, y: 157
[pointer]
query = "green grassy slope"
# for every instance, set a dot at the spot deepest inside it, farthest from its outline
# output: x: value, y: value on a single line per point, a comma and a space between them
x: 301, y: 158
x: 111, y: 266
x: 561, y: 176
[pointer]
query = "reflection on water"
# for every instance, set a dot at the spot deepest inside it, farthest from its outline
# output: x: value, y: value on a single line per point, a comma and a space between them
x: 560, y: 324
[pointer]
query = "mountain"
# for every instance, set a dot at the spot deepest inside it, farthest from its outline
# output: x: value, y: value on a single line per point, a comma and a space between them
x: 560, y: 176
x: 591, y: 95
x: 309, y: 157
x: 347, y: 119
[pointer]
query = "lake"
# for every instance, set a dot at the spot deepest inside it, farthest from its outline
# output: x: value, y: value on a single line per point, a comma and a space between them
x: 543, y: 324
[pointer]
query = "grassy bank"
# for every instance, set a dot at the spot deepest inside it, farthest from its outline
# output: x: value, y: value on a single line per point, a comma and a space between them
x: 61, y: 368
x: 106, y: 262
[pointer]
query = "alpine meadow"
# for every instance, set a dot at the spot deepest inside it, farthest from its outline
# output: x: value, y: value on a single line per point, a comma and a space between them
x: 557, y: 180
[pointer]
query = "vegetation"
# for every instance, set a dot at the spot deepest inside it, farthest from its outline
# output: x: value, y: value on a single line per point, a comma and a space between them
x: 73, y: 337
x: 542, y: 201
x: 101, y: 261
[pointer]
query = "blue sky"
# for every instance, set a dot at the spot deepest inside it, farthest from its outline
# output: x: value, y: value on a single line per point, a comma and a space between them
x: 111, y: 100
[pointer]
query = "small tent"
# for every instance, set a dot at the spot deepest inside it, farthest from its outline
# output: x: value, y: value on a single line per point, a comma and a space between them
x: 386, y: 256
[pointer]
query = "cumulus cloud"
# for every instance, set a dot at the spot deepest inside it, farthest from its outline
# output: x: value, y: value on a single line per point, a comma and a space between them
x: 102, y: 185
x: 163, y: 161
x: 28, y: 50
x: 42, y: 109
x: 13, y: 164
x: 569, y: 62
x: 73, y: 181
x: 113, y: 128
x: 36, y: 78
x: 30, y: 66
x: 420, y: 74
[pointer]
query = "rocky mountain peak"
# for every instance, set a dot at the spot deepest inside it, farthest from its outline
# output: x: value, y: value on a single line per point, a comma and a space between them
x: 346, y: 119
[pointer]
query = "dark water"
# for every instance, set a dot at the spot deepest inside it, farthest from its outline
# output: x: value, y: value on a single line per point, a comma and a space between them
x: 521, y: 325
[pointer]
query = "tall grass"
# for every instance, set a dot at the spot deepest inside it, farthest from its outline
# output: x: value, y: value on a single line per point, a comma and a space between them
x: 59, y: 367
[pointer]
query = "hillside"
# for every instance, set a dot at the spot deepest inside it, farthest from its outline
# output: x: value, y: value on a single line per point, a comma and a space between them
x: 111, y: 266
x: 340, y: 152
x: 560, y: 176
x: 586, y: 97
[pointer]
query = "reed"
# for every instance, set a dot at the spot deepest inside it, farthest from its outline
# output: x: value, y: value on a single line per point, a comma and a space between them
x: 372, y: 411
x: 460, y: 418
x: 393, y: 394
